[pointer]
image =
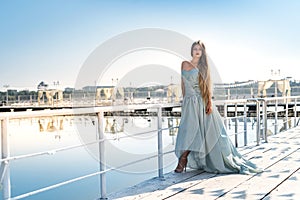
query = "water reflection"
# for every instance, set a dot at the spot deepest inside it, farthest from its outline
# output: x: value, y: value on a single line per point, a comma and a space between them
x: 53, y: 124
x: 173, y: 122
x: 48, y: 133
x: 111, y: 125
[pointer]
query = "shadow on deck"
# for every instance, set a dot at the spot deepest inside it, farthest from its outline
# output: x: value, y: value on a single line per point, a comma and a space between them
x: 280, y: 159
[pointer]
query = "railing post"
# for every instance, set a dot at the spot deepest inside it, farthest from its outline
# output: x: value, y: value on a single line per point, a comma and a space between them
x: 100, y: 116
x: 5, y: 153
x: 159, y: 143
x: 276, y: 117
x: 236, y: 126
x: 225, y: 115
x: 258, y: 122
x: 286, y: 114
x: 265, y: 121
x: 245, y: 124
x: 295, y: 112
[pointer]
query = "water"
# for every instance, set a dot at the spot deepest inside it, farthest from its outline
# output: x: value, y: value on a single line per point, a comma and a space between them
x: 27, y: 136
x: 44, y: 134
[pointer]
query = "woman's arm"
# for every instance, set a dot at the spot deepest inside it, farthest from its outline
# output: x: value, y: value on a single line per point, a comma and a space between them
x: 209, y: 107
x: 183, y: 66
x: 182, y: 87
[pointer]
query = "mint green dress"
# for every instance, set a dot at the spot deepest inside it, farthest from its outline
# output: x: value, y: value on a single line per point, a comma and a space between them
x: 205, y: 135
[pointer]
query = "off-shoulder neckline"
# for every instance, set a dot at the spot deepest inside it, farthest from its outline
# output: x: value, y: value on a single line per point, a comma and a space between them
x: 189, y: 70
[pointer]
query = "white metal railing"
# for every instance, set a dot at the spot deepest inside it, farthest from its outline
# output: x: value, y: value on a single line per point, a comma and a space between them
x: 261, y: 116
x: 6, y: 158
x: 132, y: 96
x: 89, y: 98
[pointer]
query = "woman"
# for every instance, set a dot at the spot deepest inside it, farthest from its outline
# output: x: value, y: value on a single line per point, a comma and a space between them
x: 202, y: 141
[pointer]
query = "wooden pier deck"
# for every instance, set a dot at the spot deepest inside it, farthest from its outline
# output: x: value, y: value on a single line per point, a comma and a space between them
x: 280, y: 159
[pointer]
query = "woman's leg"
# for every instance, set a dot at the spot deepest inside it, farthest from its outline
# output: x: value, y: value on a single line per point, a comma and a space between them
x: 182, y: 162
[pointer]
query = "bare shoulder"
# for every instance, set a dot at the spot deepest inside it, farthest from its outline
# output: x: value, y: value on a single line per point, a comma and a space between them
x: 185, y: 65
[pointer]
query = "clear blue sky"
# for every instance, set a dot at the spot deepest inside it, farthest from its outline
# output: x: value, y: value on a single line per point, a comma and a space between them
x: 49, y: 40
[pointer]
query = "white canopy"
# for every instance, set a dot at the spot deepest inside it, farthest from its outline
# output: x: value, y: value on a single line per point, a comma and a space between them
x: 282, y: 85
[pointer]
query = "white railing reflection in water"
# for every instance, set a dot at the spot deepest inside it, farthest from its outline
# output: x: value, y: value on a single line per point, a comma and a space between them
x: 6, y: 158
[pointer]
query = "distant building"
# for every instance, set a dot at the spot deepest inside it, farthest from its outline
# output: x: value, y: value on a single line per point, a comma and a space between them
x: 12, y: 92
x: 94, y: 88
x: 69, y: 90
x: 42, y: 86
x: 89, y: 88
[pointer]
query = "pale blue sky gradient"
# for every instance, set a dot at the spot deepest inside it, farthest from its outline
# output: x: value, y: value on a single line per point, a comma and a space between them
x: 49, y: 40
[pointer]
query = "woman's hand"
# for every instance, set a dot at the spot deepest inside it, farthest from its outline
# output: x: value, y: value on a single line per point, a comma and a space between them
x: 209, y: 107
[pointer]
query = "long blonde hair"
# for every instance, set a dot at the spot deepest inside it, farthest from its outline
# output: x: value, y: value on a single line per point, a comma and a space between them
x: 204, y: 73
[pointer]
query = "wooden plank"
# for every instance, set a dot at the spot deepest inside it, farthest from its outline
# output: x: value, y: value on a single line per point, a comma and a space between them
x: 259, y: 186
x: 283, y: 142
x: 264, y: 156
x: 147, y: 187
x: 282, y: 137
x: 211, y: 188
x: 231, y: 184
x: 179, y: 187
x: 221, y: 184
x: 173, y: 189
x: 156, y: 187
x: 289, y: 189
x: 260, y: 155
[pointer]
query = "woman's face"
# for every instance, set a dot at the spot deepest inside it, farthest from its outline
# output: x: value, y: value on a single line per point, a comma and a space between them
x: 197, y: 52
